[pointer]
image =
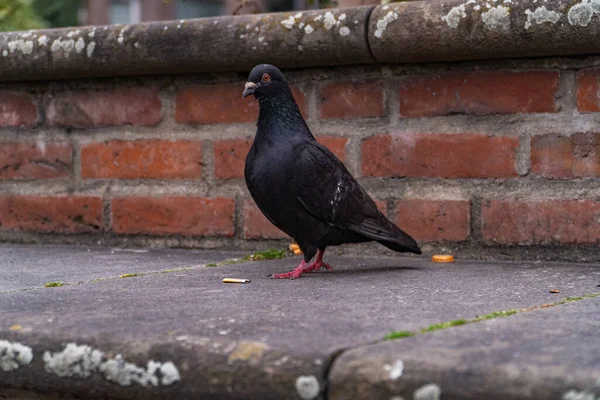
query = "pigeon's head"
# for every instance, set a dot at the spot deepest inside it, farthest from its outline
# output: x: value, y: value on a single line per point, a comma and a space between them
x: 265, y: 80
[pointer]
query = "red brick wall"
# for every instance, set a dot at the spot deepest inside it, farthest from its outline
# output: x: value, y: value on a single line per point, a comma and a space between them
x: 496, y: 155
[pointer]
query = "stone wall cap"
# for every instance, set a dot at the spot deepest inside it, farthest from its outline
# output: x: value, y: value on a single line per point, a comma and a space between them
x: 406, y: 32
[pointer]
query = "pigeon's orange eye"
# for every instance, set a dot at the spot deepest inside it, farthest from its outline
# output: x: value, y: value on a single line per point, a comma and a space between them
x: 266, y: 78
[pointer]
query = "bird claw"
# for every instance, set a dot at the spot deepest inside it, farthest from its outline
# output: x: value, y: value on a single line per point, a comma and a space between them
x: 302, y: 269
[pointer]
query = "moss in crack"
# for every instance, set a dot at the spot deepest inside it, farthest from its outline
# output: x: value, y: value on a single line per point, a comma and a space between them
x: 492, y: 315
x: 54, y: 284
x: 272, y: 254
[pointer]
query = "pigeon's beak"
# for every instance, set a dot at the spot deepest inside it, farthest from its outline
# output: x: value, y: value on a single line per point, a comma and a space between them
x: 249, y: 89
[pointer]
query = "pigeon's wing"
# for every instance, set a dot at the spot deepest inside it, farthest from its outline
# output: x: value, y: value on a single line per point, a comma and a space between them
x: 327, y: 190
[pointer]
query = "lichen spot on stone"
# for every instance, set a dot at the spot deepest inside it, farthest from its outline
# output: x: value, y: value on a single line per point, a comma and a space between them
x: 329, y: 20
x: 4, y: 53
x: 90, y: 48
x: 581, y: 14
x: 14, y: 355
x: 78, y: 361
x: 395, y: 370
x: 247, y: 351
x: 79, y: 45
x: 496, y: 17
x: 308, y: 29
x: 344, y: 31
x: 307, y: 387
x: 575, y: 395
x: 455, y: 15
x: 288, y: 22
x: 43, y: 40
x: 431, y: 391
x: 300, y: 48
x: 382, y: 23
x: 73, y: 33
x: 540, y: 16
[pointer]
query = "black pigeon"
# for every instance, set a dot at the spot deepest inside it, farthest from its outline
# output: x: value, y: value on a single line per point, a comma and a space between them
x: 302, y: 187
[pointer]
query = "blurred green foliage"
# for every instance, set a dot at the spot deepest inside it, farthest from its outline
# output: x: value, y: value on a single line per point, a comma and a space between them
x: 20, y: 15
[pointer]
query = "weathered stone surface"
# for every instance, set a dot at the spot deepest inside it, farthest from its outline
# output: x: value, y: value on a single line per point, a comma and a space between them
x: 476, y: 29
x: 302, y: 39
x: 264, y: 339
x: 550, y: 353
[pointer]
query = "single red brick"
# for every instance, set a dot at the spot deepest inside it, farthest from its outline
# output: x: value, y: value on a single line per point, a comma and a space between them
x: 541, y: 222
x: 257, y: 226
x: 230, y: 157
x: 90, y: 108
x: 336, y: 144
x: 440, y: 155
x: 588, y: 90
x: 434, y: 220
x: 479, y: 92
x: 18, y: 109
x: 142, y: 159
x: 34, y: 160
x: 173, y: 215
x: 352, y: 100
x: 51, y: 214
x: 221, y: 103
x: 576, y: 156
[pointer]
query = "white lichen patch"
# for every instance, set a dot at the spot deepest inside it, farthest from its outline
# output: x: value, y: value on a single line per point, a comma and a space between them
x: 541, y: 15
x: 92, y: 33
x: 4, y: 53
x: 383, y: 23
x: 431, y: 391
x: 581, y: 14
x: 329, y: 20
x: 395, y: 370
x: 300, y: 48
x: 90, y: 48
x: 14, y: 355
x: 79, y: 45
x: 73, y: 361
x: 24, y: 46
x: 81, y: 361
x: 575, y: 395
x: 308, y: 29
x: 318, y: 18
x: 124, y: 373
x: 289, y: 22
x: 344, y: 31
x: 307, y: 387
x: 342, y: 17
x: 73, y: 33
x: 59, y: 44
x: 43, y: 40
x: 496, y: 17
x: 455, y: 15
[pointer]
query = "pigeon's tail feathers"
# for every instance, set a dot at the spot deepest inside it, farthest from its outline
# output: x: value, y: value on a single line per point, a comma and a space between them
x: 385, y: 232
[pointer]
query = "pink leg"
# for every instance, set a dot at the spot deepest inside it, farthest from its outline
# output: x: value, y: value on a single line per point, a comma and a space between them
x: 303, y: 268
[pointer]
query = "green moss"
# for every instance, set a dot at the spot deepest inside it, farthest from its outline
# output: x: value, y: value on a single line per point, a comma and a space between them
x: 129, y: 275
x: 266, y: 255
x: 261, y: 255
x: 166, y: 271
x: 399, y: 335
x: 496, y: 314
x: 444, y: 325
x: 54, y: 284
x: 492, y: 315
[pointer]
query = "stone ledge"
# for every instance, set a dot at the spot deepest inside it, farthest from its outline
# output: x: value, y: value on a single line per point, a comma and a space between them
x: 407, y: 32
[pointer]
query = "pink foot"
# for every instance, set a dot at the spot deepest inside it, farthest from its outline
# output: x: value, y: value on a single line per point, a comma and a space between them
x: 303, y: 268
x: 292, y: 274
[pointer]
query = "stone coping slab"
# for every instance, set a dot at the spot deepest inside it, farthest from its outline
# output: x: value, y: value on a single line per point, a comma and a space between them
x: 183, y: 333
x: 405, y: 32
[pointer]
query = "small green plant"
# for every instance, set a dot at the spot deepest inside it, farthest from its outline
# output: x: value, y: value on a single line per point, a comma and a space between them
x: 211, y: 265
x: 54, y: 284
x: 129, y: 275
x: 444, y: 325
x: 266, y: 255
x: 399, y: 335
